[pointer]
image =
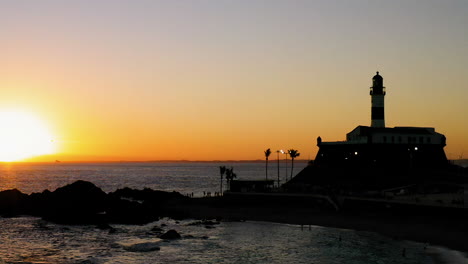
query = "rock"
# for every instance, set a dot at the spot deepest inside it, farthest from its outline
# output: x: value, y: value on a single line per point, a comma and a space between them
x: 76, y: 203
x: 171, y: 234
x: 143, y: 247
x: 147, y: 195
x: 128, y: 212
x: 12, y: 202
x: 81, y: 192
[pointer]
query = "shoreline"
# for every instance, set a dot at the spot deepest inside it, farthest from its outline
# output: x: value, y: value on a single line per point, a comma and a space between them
x: 82, y: 203
x: 438, y: 231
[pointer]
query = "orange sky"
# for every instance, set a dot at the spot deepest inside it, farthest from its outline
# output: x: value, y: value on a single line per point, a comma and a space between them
x: 119, y: 80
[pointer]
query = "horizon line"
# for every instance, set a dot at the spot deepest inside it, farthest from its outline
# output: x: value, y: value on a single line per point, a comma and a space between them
x: 153, y: 161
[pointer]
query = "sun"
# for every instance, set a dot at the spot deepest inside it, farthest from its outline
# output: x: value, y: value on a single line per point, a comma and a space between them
x: 22, y: 136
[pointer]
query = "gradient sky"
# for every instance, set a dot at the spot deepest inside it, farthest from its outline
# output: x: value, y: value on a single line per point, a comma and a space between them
x: 204, y: 80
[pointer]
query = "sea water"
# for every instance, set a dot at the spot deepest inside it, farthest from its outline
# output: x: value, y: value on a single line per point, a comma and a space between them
x: 191, y: 177
x: 32, y: 240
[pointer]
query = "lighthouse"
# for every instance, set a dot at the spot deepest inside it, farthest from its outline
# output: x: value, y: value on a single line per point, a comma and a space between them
x: 377, y: 92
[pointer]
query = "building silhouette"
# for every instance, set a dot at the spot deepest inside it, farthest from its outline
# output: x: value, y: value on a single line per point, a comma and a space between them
x: 376, y: 156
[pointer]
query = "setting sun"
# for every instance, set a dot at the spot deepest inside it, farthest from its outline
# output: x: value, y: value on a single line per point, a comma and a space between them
x: 23, y: 136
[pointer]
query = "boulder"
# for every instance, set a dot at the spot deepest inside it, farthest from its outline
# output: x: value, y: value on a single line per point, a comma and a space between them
x: 171, y: 234
x: 12, y: 202
x: 76, y: 203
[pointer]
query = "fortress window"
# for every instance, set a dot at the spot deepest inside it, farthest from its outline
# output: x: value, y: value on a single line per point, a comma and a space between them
x: 385, y: 139
x: 393, y: 139
x: 399, y: 139
x: 429, y: 140
x: 409, y: 139
x: 421, y: 140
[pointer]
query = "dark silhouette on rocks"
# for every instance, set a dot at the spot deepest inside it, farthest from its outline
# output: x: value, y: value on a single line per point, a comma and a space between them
x: 171, y: 234
x: 12, y: 202
x: 84, y: 203
x: 79, y: 202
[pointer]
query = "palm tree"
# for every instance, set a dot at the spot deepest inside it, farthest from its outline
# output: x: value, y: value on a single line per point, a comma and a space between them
x: 293, y: 154
x: 222, y: 170
x: 230, y: 175
x: 267, y: 154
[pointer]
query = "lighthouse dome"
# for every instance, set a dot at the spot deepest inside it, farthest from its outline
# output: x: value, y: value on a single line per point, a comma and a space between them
x: 377, y: 83
x: 377, y: 77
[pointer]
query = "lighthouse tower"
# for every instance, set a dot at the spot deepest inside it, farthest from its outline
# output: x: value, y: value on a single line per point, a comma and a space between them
x: 377, y: 92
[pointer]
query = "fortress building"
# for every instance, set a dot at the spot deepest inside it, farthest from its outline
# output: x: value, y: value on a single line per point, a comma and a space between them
x: 380, y: 146
x: 375, y: 156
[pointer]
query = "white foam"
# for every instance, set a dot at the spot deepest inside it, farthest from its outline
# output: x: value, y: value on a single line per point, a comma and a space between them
x: 442, y: 255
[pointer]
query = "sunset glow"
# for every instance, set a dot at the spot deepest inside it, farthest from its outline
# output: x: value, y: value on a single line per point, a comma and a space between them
x: 23, y: 136
x: 220, y: 80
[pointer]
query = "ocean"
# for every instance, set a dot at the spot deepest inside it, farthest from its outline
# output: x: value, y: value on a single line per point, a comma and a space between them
x: 186, y: 178
x: 32, y: 240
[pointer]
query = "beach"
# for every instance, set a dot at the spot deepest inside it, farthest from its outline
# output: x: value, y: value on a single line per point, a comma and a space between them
x: 441, y: 230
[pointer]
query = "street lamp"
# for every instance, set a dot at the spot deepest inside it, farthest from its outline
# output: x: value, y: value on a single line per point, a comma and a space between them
x: 277, y: 159
x: 286, y: 166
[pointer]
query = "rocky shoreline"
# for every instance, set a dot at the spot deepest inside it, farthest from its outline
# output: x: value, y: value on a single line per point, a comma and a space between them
x: 83, y: 203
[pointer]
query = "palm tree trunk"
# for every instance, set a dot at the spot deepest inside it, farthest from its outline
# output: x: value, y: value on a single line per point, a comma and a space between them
x: 221, y: 186
x: 266, y: 170
x: 292, y: 167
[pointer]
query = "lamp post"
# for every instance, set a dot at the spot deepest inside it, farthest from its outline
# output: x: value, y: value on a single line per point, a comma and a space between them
x: 286, y: 166
x: 412, y: 151
x: 277, y: 159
